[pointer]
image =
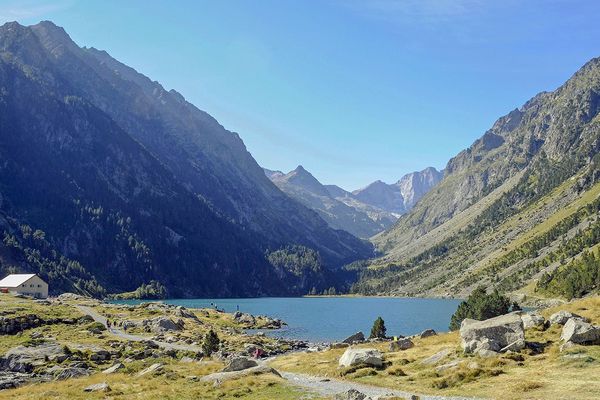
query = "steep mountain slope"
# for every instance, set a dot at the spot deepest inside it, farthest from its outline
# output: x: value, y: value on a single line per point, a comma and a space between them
x: 519, y: 203
x: 133, y: 183
x: 401, y: 196
x: 211, y: 161
x: 360, y: 220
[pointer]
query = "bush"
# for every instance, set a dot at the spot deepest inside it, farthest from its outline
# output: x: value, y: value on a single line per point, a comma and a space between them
x: 96, y: 326
x: 481, y: 305
x: 211, y: 343
x: 378, y: 330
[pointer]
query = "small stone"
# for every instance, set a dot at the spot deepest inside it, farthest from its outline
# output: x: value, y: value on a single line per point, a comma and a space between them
x: 402, y: 344
x: 98, y: 387
x: 427, y: 333
x: 358, y: 337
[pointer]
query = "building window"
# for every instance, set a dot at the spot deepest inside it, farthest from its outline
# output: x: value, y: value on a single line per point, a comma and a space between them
x: 39, y: 285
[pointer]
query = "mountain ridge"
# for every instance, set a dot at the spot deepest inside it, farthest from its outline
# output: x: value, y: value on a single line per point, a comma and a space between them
x: 218, y: 208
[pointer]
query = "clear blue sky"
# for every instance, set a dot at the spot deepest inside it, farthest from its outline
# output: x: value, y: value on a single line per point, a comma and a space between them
x: 353, y: 90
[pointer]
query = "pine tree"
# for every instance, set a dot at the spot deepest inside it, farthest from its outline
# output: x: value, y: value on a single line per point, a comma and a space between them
x: 378, y: 330
x: 211, y: 343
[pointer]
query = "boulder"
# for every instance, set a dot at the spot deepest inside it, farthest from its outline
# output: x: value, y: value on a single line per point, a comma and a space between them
x: 561, y: 317
x: 164, y: 324
x: 115, y: 368
x: 427, y: 333
x: 493, y: 334
x: 351, y: 394
x: 402, y: 344
x: 239, y: 363
x: 361, y: 356
x: 358, y: 337
x: 532, y: 320
x: 98, y: 387
x: 580, y: 332
x: 151, y: 369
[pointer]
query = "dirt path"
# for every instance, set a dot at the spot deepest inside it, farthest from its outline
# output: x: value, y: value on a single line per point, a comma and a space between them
x: 331, y: 387
x: 134, y: 338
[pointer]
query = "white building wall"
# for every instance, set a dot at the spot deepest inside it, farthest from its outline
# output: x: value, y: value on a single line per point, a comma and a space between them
x: 34, y: 286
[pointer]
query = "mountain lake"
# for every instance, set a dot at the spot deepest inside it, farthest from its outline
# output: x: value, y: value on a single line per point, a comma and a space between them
x: 329, y: 319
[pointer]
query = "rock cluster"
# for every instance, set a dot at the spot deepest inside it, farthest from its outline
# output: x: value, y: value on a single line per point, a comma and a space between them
x: 14, y: 325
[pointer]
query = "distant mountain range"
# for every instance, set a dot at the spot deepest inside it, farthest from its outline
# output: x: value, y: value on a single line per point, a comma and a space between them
x: 364, y: 212
x: 108, y: 181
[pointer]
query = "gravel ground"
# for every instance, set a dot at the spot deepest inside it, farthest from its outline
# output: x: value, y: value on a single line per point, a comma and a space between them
x: 331, y: 387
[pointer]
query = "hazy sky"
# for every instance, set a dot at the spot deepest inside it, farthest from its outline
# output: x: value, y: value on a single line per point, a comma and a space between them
x: 354, y: 91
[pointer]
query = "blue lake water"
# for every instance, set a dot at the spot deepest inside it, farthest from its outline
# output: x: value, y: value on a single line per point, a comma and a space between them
x: 325, y: 319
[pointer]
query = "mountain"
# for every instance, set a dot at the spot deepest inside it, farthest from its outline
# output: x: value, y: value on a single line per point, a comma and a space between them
x: 333, y: 204
x: 401, y: 196
x: 517, y: 210
x: 133, y: 183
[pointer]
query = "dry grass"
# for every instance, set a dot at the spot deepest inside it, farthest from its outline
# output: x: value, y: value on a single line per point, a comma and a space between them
x: 550, y: 375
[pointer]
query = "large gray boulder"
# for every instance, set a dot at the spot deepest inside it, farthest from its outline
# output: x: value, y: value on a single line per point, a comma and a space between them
x: 239, y: 363
x: 561, y: 317
x: 163, y: 324
x: 580, y: 332
x: 493, y: 335
x: 358, y: 337
x: 361, y: 356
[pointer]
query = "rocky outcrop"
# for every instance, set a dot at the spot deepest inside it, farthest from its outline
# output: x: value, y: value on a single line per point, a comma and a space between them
x: 14, y: 325
x: 25, y: 359
x: 353, y: 356
x: 499, y: 334
x: 358, y: 337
